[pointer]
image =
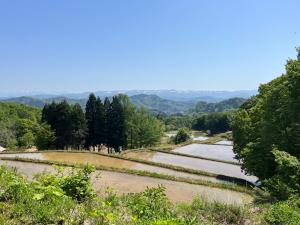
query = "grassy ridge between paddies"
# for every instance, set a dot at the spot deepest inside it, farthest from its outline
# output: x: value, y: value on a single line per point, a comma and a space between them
x: 235, y: 181
x: 227, y: 186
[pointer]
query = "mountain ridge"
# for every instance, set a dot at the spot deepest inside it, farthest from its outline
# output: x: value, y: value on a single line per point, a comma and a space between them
x: 153, y: 103
x: 175, y: 95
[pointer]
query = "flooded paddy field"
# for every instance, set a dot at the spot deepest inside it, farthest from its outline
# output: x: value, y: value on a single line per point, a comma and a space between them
x: 100, y: 160
x: 128, y: 183
x: 224, y: 142
x: 193, y: 163
x: 199, y: 136
x: 220, y: 152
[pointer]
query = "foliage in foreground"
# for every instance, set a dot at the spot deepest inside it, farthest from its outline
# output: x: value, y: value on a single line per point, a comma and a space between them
x: 67, y: 197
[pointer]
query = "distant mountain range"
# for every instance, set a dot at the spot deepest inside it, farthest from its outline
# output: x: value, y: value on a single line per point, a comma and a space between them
x: 174, y: 95
x: 149, y: 101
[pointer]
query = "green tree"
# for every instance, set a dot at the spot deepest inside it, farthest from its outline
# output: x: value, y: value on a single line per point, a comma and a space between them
x: 90, y: 115
x: 286, y: 181
x: 116, y: 125
x: 145, y: 130
x: 17, y: 124
x: 25, y: 133
x: 79, y: 126
x: 100, y: 122
x: 183, y: 135
x: 45, y: 137
x: 270, y: 120
x: 141, y: 128
x: 213, y: 122
x: 107, y: 108
x: 67, y: 122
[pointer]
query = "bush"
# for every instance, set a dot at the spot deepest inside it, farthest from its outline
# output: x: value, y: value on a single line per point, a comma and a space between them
x: 76, y: 184
x: 202, y: 212
x: 287, y: 213
x: 183, y: 135
x: 150, y: 204
x: 286, y: 181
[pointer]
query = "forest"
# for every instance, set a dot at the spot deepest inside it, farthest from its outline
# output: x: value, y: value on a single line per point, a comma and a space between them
x: 115, y: 123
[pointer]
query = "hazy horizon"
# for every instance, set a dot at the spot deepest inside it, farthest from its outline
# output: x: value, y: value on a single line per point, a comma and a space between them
x: 35, y: 93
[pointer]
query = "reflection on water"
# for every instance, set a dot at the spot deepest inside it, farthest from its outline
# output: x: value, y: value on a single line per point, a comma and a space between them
x: 200, y: 138
x: 224, y: 142
x: 99, y: 160
x: 220, y: 152
x: 197, y: 164
x: 171, y: 134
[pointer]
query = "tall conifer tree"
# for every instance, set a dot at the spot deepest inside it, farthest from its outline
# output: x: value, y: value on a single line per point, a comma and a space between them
x: 100, y: 122
x: 116, y: 125
x: 90, y: 115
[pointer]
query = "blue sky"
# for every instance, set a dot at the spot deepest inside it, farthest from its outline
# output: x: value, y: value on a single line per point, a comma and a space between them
x: 75, y: 46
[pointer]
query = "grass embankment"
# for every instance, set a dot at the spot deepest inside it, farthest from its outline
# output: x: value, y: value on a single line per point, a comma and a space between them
x: 233, y: 180
x: 227, y: 186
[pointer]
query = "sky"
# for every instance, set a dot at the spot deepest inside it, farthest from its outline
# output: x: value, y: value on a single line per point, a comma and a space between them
x: 54, y: 46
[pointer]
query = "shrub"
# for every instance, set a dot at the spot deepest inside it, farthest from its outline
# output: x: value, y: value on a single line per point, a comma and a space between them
x: 286, y: 181
x: 287, y: 213
x: 183, y: 135
x: 76, y: 184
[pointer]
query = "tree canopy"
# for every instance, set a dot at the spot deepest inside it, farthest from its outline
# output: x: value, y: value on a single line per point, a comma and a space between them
x: 213, y: 122
x: 19, y: 125
x: 268, y: 123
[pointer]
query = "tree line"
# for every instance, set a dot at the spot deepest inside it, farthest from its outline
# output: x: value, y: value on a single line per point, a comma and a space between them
x: 115, y: 123
x: 214, y: 123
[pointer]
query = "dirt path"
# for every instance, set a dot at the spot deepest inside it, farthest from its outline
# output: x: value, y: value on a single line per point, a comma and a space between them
x: 125, y: 183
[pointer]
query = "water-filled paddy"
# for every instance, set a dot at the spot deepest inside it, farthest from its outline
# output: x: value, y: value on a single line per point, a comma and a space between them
x: 200, y: 138
x: 125, y: 183
x: 193, y: 163
x: 100, y: 160
x: 224, y: 142
x: 220, y: 152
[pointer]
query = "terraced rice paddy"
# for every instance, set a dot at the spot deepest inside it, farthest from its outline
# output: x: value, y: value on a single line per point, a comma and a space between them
x: 224, y: 142
x: 198, y: 136
x: 220, y: 152
x: 125, y: 183
x: 193, y: 163
x: 100, y: 160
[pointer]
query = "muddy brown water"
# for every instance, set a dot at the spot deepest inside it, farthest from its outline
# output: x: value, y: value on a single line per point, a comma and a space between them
x: 193, y: 163
x: 128, y: 183
x: 99, y: 160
